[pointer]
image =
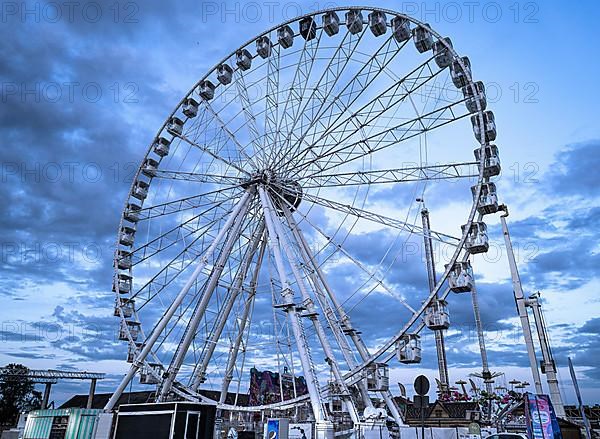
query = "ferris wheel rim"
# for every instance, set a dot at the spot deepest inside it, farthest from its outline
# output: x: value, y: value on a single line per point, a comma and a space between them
x: 481, y: 179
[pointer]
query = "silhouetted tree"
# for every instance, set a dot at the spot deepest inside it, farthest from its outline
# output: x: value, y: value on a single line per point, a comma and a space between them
x: 17, y: 394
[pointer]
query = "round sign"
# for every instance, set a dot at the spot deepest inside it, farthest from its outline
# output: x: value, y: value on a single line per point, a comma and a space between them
x: 421, y: 385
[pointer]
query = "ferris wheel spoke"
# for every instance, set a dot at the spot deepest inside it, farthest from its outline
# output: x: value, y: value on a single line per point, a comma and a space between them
x: 340, y: 152
x: 169, y: 272
x: 190, y: 202
x: 381, y: 219
x: 296, y: 91
x: 349, y: 94
x: 271, y: 100
x: 338, y: 246
x: 215, y: 155
x: 391, y: 176
x: 223, y: 127
x: 163, y: 243
x: 198, y: 177
x: 187, y: 225
x: 390, y: 98
x: 251, y: 124
x: 323, y: 88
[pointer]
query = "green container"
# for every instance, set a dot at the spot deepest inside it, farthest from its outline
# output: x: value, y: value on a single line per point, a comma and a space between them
x: 77, y: 423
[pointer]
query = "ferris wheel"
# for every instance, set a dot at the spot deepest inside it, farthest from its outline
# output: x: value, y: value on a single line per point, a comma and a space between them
x: 270, y: 218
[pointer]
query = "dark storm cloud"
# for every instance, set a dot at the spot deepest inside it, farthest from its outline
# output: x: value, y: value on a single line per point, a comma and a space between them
x: 71, y: 139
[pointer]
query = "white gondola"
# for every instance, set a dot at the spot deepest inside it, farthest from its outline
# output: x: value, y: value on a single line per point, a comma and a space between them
x: 436, y: 315
x: 207, y: 90
x: 285, y: 36
x: 129, y: 327
x: 175, y: 126
x: 124, y: 259
x: 491, y: 162
x: 378, y: 23
x: 126, y: 306
x: 331, y: 23
x: 243, y: 59
x: 150, y: 167
x: 308, y: 28
x: 475, y: 99
x: 190, y: 107
x: 477, y: 238
x: 408, y: 349
x: 133, y: 351
x: 140, y: 190
x: 146, y: 375
x: 224, y: 74
x: 488, y: 198
x: 460, y: 76
x: 401, y: 29
x: 124, y: 282
x: 443, y: 55
x: 336, y: 404
x: 161, y: 146
x: 422, y: 38
x: 354, y: 21
x: 489, y: 126
x: 378, y: 377
x: 264, y: 47
x: 127, y: 235
x: 460, y: 277
x: 132, y: 212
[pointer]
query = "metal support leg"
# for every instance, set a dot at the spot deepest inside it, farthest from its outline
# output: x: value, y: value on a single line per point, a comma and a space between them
x: 47, y: 389
x: 431, y: 276
x: 161, y: 325
x: 233, y: 353
x: 521, y: 309
x: 201, y: 306
x: 348, y: 328
x: 91, y: 394
x: 320, y: 331
x: 211, y: 344
x: 288, y: 300
x: 330, y: 314
x: 549, y: 365
x: 486, y: 374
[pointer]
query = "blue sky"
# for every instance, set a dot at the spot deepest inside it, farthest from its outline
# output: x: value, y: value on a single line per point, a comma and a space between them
x: 84, y: 91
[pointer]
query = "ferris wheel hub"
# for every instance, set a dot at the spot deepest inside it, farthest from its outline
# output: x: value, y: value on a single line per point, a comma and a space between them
x: 286, y: 193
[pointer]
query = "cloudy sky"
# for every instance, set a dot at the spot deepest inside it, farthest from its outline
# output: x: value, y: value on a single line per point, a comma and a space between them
x: 84, y: 89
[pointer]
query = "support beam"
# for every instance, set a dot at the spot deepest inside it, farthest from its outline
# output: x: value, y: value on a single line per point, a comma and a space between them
x: 162, y: 323
x: 520, y: 302
x: 549, y: 364
x: 347, y: 326
x: 200, y: 308
x: 308, y: 303
x: 485, y: 372
x: 330, y: 314
x: 288, y: 301
x: 47, y: 389
x: 91, y: 394
x: 431, y: 277
x: 233, y: 353
x: 199, y: 374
